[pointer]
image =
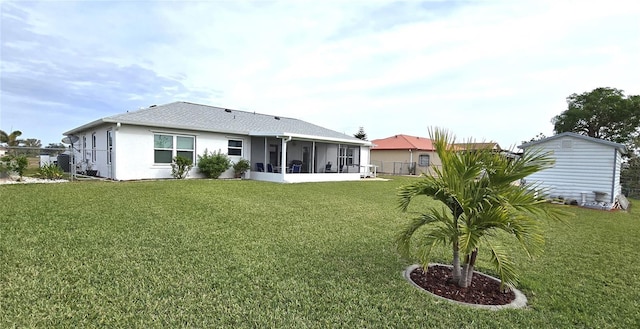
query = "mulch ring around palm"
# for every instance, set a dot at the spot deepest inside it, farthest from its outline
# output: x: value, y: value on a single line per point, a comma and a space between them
x: 484, y: 290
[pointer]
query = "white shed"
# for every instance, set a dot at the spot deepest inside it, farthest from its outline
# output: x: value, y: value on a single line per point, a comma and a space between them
x: 586, y: 169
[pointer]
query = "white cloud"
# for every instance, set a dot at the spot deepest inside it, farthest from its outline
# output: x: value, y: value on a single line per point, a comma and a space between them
x: 495, y: 70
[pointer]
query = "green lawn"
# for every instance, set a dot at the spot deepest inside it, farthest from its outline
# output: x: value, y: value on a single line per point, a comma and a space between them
x: 215, y: 254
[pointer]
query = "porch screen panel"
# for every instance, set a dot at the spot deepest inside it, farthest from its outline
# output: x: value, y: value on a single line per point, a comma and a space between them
x: 163, y: 148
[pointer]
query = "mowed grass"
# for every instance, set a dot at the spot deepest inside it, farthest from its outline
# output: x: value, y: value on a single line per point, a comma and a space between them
x: 216, y: 254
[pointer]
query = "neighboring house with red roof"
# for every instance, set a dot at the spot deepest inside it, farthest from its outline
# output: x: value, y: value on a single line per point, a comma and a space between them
x: 404, y: 154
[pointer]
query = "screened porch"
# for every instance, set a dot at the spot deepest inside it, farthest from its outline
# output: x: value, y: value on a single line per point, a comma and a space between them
x: 289, y: 159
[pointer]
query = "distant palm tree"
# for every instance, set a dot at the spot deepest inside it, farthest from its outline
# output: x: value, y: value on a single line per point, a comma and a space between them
x: 32, y: 142
x: 11, y: 139
x: 480, y: 198
x: 33, y: 146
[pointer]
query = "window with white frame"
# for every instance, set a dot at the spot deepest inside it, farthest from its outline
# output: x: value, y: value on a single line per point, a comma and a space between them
x: 185, y: 146
x: 235, y: 147
x: 84, y: 148
x: 109, y: 146
x: 423, y: 160
x: 93, y: 147
x: 166, y: 147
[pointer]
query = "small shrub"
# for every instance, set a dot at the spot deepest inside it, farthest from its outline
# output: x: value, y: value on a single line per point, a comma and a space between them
x: 241, y: 167
x: 50, y: 171
x: 180, y: 167
x: 212, y: 165
x: 14, y: 163
x: 4, y: 169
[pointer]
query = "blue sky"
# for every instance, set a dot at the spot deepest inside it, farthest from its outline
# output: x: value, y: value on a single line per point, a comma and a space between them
x: 492, y: 70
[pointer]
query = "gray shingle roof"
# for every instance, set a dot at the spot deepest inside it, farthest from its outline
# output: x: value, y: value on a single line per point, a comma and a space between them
x: 184, y: 115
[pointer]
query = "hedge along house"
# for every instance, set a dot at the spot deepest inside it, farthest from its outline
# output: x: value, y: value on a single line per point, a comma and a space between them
x: 586, y: 169
x: 404, y: 154
x: 141, y: 144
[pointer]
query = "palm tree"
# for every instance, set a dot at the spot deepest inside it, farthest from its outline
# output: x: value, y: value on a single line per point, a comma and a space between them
x: 11, y: 139
x: 480, y: 199
x: 33, y: 146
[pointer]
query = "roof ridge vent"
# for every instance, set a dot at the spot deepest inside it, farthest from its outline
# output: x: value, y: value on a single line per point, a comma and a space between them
x: 277, y: 118
x: 227, y: 110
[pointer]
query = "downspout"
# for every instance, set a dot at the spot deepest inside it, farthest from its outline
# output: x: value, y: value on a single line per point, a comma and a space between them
x: 410, y: 161
x: 114, y: 157
x: 613, y: 180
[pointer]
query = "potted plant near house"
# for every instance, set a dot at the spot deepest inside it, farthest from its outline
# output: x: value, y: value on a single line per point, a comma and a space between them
x: 240, y: 167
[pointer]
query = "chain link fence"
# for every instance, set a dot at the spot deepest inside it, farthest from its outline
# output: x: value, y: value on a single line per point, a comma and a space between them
x: 395, y: 168
x: 630, y: 181
x: 38, y: 157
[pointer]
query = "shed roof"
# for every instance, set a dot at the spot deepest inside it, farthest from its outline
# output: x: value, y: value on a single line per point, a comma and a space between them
x: 403, y: 142
x: 621, y: 147
x: 191, y: 116
x: 479, y: 146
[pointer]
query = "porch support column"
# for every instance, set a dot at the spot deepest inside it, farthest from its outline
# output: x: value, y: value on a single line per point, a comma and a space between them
x: 313, y: 157
x: 266, y: 149
x: 283, y: 158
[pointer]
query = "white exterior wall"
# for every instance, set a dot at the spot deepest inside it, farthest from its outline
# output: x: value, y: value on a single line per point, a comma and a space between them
x: 133, y: 151
x: 365, y: 159
x: 85, y: 153
x: 617, y: 187
x: 581, y: 166
x: 133, y: 154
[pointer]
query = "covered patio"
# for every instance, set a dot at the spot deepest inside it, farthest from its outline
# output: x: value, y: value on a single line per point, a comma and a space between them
x: 295, y: 158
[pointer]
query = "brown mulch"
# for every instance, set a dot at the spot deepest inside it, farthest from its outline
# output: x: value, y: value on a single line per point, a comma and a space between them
x: 483, y: 290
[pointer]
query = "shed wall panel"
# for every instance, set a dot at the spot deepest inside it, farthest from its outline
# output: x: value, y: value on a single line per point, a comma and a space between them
x: 581, y: 166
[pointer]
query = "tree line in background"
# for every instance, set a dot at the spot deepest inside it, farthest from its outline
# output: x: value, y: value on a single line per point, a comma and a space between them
x: 28, y: 146
x: 605, y: 113
x: 608, y: 114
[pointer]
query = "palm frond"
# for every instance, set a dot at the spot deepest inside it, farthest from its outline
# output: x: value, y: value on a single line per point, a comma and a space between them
x: 424, y: 251
x: 424, y: 186
x: 403, y: 239
x: 503, y: 265
x: 477, y: 185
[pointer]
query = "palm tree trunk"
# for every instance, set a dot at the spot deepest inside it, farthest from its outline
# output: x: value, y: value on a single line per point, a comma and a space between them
x: 456, y: 262
x: 462, y: 283
x: 470, y: 267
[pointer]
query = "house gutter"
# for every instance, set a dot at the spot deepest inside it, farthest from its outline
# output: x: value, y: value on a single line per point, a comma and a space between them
x: 613, y: 181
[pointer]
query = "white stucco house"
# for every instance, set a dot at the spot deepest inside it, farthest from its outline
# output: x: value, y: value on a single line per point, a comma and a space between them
x: 141, y: 144
x: 586, y: 169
